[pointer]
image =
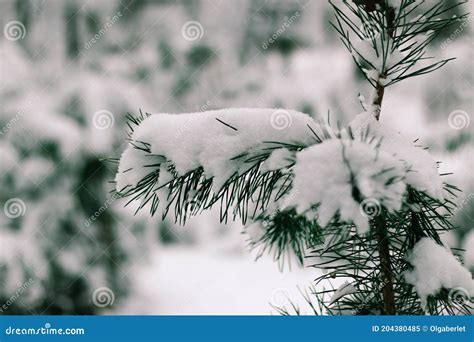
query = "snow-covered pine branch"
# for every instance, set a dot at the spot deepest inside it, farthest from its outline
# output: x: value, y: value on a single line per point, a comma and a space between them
x: 196, y: 160
x: 303, y: 184
x: 261, y: 163
x: 360, y: 200
x: 388, y: 40
x: 243, y: 157
x: 435, y: 268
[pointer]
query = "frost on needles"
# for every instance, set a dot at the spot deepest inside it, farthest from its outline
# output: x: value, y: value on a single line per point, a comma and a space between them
x: 362, y: 203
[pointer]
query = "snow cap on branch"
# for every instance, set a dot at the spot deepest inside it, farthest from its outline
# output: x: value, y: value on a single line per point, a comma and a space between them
x: 211, y: 140
x: 422, y: 169
x: 436, y: 268
x: 328, y: 174
x: 346, y: 177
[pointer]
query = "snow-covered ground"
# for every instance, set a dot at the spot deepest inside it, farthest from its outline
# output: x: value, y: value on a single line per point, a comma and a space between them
x: 200, y: 281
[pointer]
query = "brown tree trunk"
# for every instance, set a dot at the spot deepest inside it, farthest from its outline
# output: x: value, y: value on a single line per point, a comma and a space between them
x: 383, y: 247
x: 377, y: 102
x: 380, y: 224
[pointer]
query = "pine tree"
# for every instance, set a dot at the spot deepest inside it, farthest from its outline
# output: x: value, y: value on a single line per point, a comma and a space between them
x: 58, y: 229
x: 361, y: 203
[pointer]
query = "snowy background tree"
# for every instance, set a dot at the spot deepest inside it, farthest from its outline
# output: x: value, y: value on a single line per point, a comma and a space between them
x: 70, y: 70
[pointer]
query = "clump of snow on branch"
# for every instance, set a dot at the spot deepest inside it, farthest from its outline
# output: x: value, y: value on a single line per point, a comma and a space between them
x: 278, y: 159
x: 333, y: 177
x: 376, y: 63
x: 133, y: 168
x: 436, y: 268
x: 328, y: 174
x: 345, y: 289
x: 212, y: 139
x: 423, y: 171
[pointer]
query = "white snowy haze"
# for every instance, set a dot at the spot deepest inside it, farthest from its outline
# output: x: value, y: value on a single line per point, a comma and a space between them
x: 70, y: 71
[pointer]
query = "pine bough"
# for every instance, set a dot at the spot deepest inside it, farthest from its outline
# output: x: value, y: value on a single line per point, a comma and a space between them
x: 364, y: 203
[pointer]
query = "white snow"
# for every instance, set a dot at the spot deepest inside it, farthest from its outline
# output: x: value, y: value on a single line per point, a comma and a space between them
x: 33, y: 171
x: 325, y: 174
x: 435, y: 268
x: 132, y: 167
x: 17, y: 251
x: 199, y: 281
x: 423, y: 173
x: 52, y: 127
x: 364, y: 50
x: 105, y: 79
x: 345, y: 289
x: 322, y: 177
x: 278, y: 159
x: 9, y: 157
x: 199, y: 139
x: 468, y: 247
x: 394, y: 3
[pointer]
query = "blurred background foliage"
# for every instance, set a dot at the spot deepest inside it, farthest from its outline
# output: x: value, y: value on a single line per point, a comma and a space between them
x: 57, y: 78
